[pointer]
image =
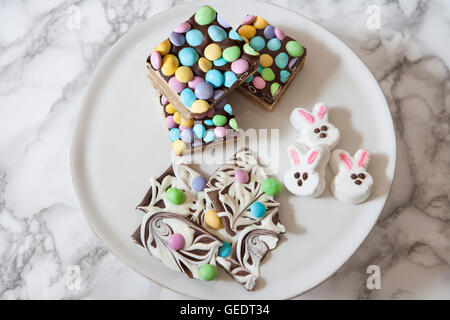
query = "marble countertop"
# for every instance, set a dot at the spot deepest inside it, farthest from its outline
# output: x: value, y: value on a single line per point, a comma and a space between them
x: 48, y: 50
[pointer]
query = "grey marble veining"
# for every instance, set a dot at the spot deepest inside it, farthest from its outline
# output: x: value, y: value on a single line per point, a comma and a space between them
x: 45, y: 62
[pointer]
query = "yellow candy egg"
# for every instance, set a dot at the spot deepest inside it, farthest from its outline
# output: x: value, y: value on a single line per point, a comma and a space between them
x: 187, y: 123
x: 260, y: 23
x: 204, y: 64
x: 164, y: 47
x: 177, y: 117
x: 184, y: 74
x: 265, y: 60
x: 212, y: 219
x: 170, y: 109
x: 169, y: 65
x: 199, y: 106
x: 179, y: 147
x: 247, y: 31
x: 213, y: 52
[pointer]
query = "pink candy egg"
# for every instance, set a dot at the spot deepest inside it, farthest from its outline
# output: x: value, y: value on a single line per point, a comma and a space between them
x: 210, y: 113
x: 195, y: 81
x: 170, y: 122
x: 176, y: 85
x: 279, y: 34
x: 259, y: 82
x: 183, y: 27
x: 176, y: 241
x: 239, y: 66
x: 241, y: 176
x: 164, y: 101
x: 156, y: 60
x: 220, y: 132
x: 248, y: 19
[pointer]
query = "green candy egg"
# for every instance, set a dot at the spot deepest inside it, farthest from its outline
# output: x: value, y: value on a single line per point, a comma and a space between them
x: 268, y: 74
x: 231, y: 53
x: 271, y: 186
x: 205, y: 15
x: 249, y: 50
x: 207, y: 272
x: 294, y: 48
x: 274, y: 88
x: 219, y: 120
x: 233, y: 124
x: 175, y: 196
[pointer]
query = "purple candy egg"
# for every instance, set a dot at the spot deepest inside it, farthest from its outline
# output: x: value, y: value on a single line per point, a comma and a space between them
x: 248, y: 19
x: 269, y: 32
x: 198, y: 183
x: 156, y: 60
x: 204, y: 91
x: 220, y: 132
x: 164, y: 101
x: 279, y: 34
x: 241, y: 176
x: 187, y: 135
x: 183, y: 27
x: 222, y: 22
x: 176, y: 85
x: 177, y: 39
x: 170, y: 122
x: 176, y: 241
x: 292, y: 63
x: 195, y: 81
x: 210, y: 113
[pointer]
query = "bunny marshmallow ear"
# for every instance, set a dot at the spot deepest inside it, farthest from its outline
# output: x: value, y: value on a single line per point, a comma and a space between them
x: 294, y: 155
x: 301, y: 118
x: 362, y: 158
x: 320, y: 111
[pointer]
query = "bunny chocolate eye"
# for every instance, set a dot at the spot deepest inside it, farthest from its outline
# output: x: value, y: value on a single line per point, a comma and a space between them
x: 358, y: 182
x: 362, y: 176
x: 323, y: 135
x: 316, y: 130
x: 296, y: 175
x: 324, y: 128
x: 299, y: 183
x: 353, y: 176
x: 305, y: 176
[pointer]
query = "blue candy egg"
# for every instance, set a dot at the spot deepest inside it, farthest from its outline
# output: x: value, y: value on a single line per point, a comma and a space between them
x: 194, y: 37
x: 199, y: 130
x: 220, y: 62
x: 222, y: 22
x: 225, y: 249
x: 228, y: 109
x: 187, y: 97
x: 281, y: 60
x: 249, y: 79
x: 257, y: 43
x: 274, y: 44
x: 284, y: 75
x: 217, y: 33
x: 188, y: 56
x: 234, y: 35
x: 198, y: 183
x: 214, y: 77
x: 177, y: 39
x: 230, y: 79
x: 174, y: 134
x: 209, y: 122
x: 209, y: 136
x: 260, y: 69
x: 187, y: 135
x: 257, y: 209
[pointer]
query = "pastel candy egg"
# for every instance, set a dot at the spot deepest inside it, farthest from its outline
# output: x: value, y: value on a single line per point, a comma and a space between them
x: 211, y: 112
x: 217, y: 33
x: 220, y: 132
x: 156, y: 60
x: 187, y: 136
x: 230, y: 79
x: 179, y: 147
x: 259, y: 83
x: 222, y: 22
x: 247, y: 31
x: 164, y: 100
x: 212, y: 219
x: 209, y: 122
x: 186, y: 123
x: 292, y: 63
x: 187, y: 97
x: 198, y: 183
x: 279, y: 33
x: 241, y: 176
x: 274, y: 88
x: 194, y: 37
x: 170, y: 122
x: 281, y: 60
x: 170, y: 109
x: 231, y: 53
x: 294, y: 48
x: 176, y: 241
x: 284, y: 75
x: 265, y: 60
x: 233, y: 124
x: 271, y: 186
x: 225, y: 249
x: 228, y: 109
x: 200, y: 106
x: 174, y: 134
x: 207, y: 272
x: 188, y: 56
x: 209, y: 136
x: 220, y: 62
x: 248, y: 19
x: 249, y: 79
x: 260, y: 23
x: 274, y: 44
x: 212, y: 51
x: 249, y: 50
x: 205, y: 15
x: 199, y: 130
x: 257, y: 209
x: 214, y: 77
x: 183, y: 27
x: 260, y: 69
x: 177, y: 39
x: 176, y: 85
x: 175, y: 196
x: 204, y: 91
x: 177, y: 117
x: 219, y: 120
x: 239, y: 66
x: 218, y: 94
x: 169, y: 65
x: 257, y: 43
x: 195, y: 81
x: 164, y: 47
x: 204, y: 64
x: 269, y: 32
x: 268, y: 74
x: 234, y: 35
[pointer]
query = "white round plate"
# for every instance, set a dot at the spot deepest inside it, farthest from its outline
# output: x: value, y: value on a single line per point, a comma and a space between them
x: 119, y: 142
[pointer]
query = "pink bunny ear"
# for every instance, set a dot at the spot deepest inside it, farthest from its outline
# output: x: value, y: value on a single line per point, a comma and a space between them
x: 345, y: 159
x: 320, y: 110
x: 362, y: 156
x: 294, y: 155
x: 306, y: 115
x: 312, y: 156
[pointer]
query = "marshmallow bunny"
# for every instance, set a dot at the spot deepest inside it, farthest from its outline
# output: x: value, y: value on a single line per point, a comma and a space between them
x: 306, y: 176
x: 352, y: 183
x: 314, y: 127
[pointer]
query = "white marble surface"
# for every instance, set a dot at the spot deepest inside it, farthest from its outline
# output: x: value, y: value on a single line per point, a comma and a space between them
x: 45, y: 62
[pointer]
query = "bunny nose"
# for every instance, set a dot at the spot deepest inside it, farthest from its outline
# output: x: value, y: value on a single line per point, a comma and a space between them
x: 300, y: 176
x: 321, y: 132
